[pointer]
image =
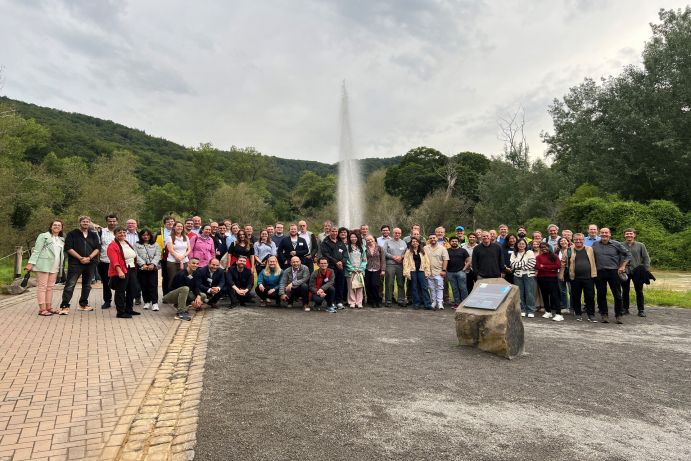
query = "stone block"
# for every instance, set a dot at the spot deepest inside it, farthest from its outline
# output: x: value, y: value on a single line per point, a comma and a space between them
x: 497, y: 331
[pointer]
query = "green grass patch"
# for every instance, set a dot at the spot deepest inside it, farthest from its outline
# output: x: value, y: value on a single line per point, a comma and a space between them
x: 666, y: 298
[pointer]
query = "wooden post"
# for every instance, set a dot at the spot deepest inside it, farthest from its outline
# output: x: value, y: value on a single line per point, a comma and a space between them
x: 18, y: 263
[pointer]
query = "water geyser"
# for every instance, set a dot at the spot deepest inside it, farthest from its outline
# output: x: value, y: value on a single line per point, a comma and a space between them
x: 349, y: 192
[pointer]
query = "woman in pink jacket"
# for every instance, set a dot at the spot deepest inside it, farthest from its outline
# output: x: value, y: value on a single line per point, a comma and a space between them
x: 202, y: 247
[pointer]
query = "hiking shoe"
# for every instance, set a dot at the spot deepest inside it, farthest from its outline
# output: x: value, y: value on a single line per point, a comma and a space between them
x: 183, y: 316
x: 154, y: 307
x: 617, y: 320
x: 591, y: 318
x: 558, y: 318
x: 547, y: 315
x: 604, y: 318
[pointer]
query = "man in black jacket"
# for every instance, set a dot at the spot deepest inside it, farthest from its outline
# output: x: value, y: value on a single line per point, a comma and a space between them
x: 292, y: 245
x: 488, y: 258
x: 210, y: 280
x: 239, y: 281
x: 182, y: 291
x: 82, y: 247
x: 335, y: 251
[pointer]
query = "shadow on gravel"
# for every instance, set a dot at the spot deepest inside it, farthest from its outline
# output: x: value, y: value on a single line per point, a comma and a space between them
x: 393, y: 384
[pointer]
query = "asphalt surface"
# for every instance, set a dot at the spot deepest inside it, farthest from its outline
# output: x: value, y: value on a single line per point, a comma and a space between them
x: 378, y: 384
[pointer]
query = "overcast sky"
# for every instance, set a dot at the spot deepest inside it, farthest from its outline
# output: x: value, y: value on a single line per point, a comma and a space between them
x: 268, y: 73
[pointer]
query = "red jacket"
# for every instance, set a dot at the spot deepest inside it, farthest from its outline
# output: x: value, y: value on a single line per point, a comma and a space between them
x: 545, y: 267
x: 116, y: 257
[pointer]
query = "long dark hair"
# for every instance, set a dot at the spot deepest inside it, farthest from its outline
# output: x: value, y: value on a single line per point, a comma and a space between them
x: 358, y: 242
x: 506, y: 242
x: 420, y: 248
x: 551, y: 255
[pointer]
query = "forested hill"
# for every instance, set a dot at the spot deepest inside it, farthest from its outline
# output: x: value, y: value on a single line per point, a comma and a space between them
x: 74, y: 134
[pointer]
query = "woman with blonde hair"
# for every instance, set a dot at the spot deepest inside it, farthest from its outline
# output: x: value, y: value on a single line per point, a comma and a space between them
x: 45, y: 261
x: 269, y: 280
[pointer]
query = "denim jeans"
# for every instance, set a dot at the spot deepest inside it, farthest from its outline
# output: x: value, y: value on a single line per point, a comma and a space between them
x: 419, y: 289
x: 74, y: 271
x: 526, y: 286
x: 563, y: 293
x: 459, y: 286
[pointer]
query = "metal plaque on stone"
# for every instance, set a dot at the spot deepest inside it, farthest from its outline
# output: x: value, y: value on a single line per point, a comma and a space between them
x: 487, y: 296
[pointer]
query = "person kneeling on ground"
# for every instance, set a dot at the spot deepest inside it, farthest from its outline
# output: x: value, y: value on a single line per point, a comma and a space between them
x: 239, y: 281
x: 322, y: 286
x: 182, y: 291
x: 210, y: 280
x: 294, y: 283
x: 268, y: 281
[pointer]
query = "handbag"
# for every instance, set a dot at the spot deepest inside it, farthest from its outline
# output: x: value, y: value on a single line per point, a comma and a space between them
x: 358, y: 281
x: 25, y: 280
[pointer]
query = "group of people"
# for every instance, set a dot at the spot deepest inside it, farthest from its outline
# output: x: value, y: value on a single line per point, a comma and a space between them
x: 200, y: 263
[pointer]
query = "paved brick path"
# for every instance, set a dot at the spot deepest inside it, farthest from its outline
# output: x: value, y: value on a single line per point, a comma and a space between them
x: 67, y: 382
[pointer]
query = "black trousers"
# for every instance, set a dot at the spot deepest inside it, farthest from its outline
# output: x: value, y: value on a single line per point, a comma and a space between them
x: 165, y: 279
x: 340, y: 285
x: 103, y: 273
x: 235, y: 298
x: 372, y: 287
x: 124, y: 292
x: 549, y: 288
x: 74, y: 271
x: 470, y: 280
x: 298, y: 292
x: 626, y: 289
x: 608, y: 277
x: 587, y: 288
x: 265, y: 296
x: 148, y: 282
x: 329, y: 297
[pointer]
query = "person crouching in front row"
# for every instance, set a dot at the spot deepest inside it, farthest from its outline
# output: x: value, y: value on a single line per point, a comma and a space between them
x: 239, y: 281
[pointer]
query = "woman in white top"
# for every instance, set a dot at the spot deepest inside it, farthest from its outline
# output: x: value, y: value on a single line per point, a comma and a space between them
x: 523, y: 267
x: 178, y: 248
x: 46, y: 261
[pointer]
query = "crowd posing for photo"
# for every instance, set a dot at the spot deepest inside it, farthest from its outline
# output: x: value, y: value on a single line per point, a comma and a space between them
x: 200, y: 264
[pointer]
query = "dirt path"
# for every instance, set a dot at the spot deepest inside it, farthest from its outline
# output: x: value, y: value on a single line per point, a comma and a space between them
x: 392, y: 384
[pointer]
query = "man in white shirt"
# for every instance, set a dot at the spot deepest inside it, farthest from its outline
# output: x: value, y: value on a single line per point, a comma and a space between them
x: 106, y: 236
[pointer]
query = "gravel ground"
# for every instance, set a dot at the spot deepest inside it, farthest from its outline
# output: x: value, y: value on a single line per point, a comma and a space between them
x: 393, y: 384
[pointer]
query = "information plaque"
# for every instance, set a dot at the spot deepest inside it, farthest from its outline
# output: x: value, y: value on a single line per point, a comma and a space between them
x: 487, y: 296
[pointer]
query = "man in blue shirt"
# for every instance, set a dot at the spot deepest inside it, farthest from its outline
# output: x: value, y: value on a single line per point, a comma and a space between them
x: 592, y: 235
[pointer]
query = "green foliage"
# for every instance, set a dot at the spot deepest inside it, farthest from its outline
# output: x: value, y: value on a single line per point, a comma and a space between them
x: 416, y: 176
x: 668, y: 214
x: 537, y: 224
x: 380, y: 207
x: 313, y: 192
x: 630, y: 132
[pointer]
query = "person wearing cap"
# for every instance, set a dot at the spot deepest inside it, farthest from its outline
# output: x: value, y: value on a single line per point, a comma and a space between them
x: 460, y: 234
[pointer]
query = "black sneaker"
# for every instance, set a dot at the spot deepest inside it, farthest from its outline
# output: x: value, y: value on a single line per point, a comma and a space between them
x: 591, y: 318
x: 183, y: 316
x: 135, y: 313
x: 123, y: 316
x: 105, y: 305
x: 641, y: 314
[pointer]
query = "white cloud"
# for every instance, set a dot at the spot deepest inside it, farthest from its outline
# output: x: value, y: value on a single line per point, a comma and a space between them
x: 268, y: 74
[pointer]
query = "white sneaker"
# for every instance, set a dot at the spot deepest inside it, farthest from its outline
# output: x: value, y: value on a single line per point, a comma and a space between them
x: 558, y: 318
x: 154, y: 307
x: 522, y: 314
x: 531, y: 316
x: 547, y: 315
x: 147, y: 305
x: 441, y: 306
